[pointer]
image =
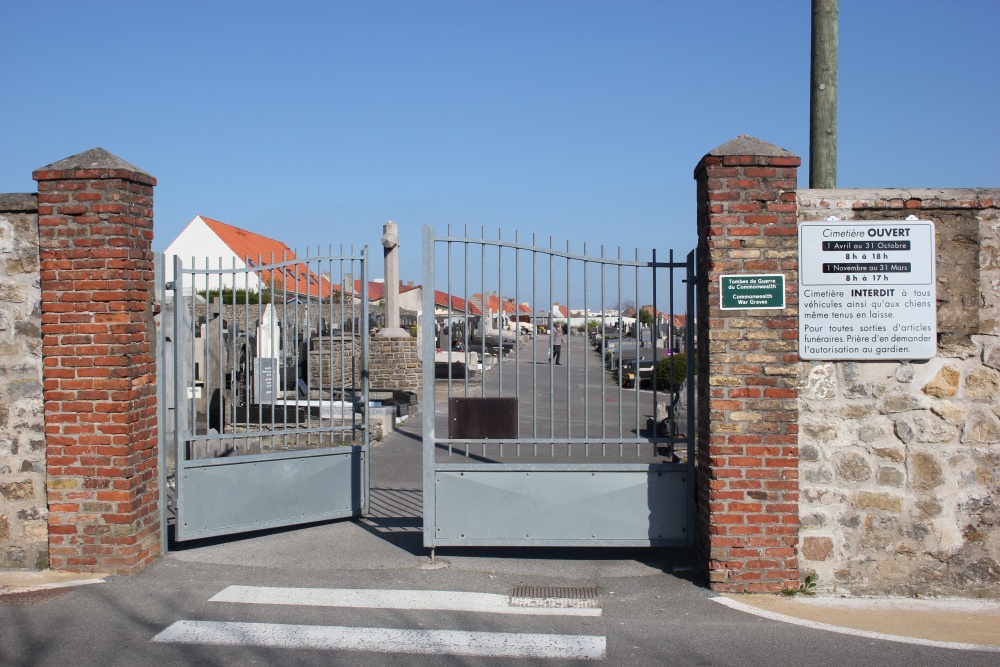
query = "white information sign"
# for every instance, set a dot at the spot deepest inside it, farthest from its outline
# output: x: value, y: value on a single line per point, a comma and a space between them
x: 867, y: 290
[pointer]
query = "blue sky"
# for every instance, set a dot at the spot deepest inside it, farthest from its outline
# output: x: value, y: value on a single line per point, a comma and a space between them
x: 315, y: 122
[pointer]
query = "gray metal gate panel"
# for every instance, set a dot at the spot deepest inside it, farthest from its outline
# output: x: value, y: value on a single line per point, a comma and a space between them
x: 249, y: 449
x: 587, y: 506
x: 223, y: 496
x: 578, y: 472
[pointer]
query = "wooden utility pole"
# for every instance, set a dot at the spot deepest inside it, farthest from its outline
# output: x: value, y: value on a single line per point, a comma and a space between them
x: 823, y: 96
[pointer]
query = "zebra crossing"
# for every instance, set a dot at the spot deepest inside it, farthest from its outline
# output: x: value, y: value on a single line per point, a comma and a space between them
x: 394, y: 640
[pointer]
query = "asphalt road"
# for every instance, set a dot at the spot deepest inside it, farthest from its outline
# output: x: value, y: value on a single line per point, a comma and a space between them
x: 651, y: 607
x: 649, y: 615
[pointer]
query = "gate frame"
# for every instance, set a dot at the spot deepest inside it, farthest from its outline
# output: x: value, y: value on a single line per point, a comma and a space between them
x: 226, y: 474
x: 575, y: 472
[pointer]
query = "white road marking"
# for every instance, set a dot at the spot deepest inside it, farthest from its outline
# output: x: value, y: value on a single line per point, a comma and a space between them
x: 381, y: 599
x: 740, y: 606
x: 386, y: 640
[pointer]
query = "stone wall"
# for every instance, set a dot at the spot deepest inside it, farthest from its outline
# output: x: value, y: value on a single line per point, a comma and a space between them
x: 23, y: 508
x: 900, y: 462
x: 334, y: 365
x: 393, y: 363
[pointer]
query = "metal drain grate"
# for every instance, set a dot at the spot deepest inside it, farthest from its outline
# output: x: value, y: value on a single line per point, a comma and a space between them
x: 554, y: 596
x: 32, y: 598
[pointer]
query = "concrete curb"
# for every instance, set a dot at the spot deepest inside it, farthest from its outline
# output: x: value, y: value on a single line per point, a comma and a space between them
x: 868, y: 634
x: 16, y: 581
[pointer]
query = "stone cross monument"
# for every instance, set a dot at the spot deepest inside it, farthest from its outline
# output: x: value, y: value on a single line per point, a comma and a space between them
x: 390, y: 241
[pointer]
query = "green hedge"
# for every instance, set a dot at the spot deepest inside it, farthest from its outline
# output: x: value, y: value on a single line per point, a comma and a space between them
x: 674, y: 366
x: 240, y: 297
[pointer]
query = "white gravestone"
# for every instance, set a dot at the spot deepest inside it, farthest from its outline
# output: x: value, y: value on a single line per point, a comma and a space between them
x: 265, y: 368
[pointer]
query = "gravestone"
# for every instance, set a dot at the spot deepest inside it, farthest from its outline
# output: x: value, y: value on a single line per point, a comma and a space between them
x: 265, y: 366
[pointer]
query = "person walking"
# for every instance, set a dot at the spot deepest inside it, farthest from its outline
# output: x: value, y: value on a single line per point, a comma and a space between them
x: 558, y: 340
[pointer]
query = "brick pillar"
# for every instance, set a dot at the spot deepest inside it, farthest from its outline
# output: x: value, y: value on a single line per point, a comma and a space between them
x: 95, y: 220
x: 748, y: 441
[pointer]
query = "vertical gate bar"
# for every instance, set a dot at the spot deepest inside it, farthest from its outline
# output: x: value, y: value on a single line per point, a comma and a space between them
x: 180, y: 395
x: 670, y: 336
x: 357, y: 325
x: 365, y: 387
x: 297, y: 338
x: 343, y: 336
x: 319, y: 339
x: 638, y: 337
x: 485, y: 316
x: 206, y: 345
x: 534, y: 345
x: 160, y: 290
x: 198, y: 366
x: 233, y: 355
x: 569, y: 355
x: 283, y: 351
x: 692, y: 406
x: 245, y: 361
x: 552, y: 383
x: 228, y: 340
x: 221, y: 377
x: 670, y: 339
x: 604, y: 342
x: 466, y: 339
x: 430, y: 526
x: 303, y: 274
x: 448, y: 245
x: 654, y: 338
x: 307, y: 335
x: 517, y: 330
x: 484, y: 308
x: 500, y: 336
x: 313, y: 306
x: 331, y: 313
x: 586, y: 366
x: 317, y: 275
x: 296, y: 302
x: 295, y: 353
x: 620, y: 349
x: 225, y: 347
x: 336, y: 270
x: 246, y: 364
x: 670, y: 323
x: 204, y: 367
x: 283, y: 282
x: 225, y: 333
x: 295, y: 346
x: 260, y: 318
x: 340, y: 296
x: 500, y: 329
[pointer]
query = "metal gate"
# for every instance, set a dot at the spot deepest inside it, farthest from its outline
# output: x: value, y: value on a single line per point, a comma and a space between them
x: 539, y: 438
x: 264, y: 368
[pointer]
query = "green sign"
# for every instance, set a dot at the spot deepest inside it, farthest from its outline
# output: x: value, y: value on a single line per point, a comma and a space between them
x: 752, y: 291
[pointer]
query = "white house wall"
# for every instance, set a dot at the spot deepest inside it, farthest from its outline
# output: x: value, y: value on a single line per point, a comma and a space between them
x: 412, y: 300
x: 198, y: 243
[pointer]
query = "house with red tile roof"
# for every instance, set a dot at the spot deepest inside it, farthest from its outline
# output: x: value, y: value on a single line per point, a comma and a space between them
x: 375, y: 291
x: 208, y: 243
x: 500, y: 311
x: 455, y: 305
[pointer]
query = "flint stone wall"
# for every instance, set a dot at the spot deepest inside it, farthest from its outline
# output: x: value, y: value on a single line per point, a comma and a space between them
x: 23, y: 509
x: 900, y: 462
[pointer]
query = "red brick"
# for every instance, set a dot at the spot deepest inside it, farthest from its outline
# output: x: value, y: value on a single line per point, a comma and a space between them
x: 785, y: 161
